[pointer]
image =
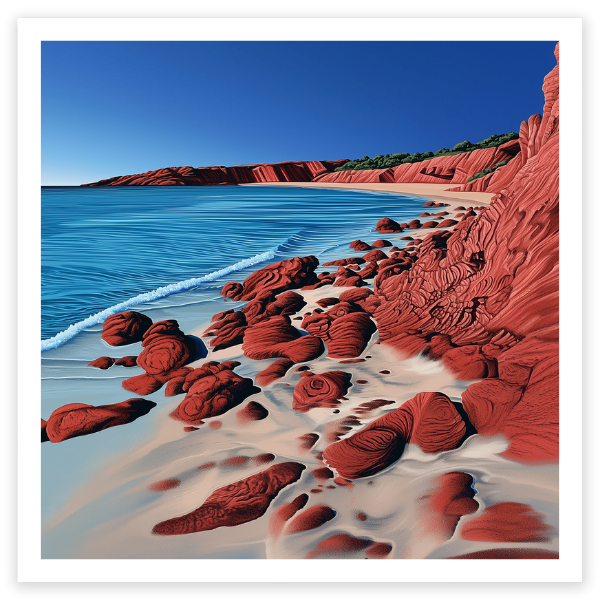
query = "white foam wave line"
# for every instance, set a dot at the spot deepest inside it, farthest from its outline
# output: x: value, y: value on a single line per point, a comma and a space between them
x: 64, y: 336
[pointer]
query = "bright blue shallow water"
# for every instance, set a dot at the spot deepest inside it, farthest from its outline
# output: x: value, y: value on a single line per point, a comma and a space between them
x: 105, y: 246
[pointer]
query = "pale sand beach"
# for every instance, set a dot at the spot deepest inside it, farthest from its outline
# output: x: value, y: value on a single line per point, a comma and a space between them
x: 432, y: 191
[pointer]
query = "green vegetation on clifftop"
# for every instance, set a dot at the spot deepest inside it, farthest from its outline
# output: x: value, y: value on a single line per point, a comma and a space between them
x: 393, y: 160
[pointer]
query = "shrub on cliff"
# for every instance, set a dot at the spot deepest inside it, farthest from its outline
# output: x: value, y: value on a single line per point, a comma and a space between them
x: 389, y: 161
x: 488, y: 171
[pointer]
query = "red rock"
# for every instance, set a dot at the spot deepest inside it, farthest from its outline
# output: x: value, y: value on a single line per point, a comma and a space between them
x: 429, y: 225
x: 354, y: 260
x: 447, y: 502
x: 274, y: 371
x: 232, y: 290
x: 276, y: 337
x: 507, y: 254
x: 253, y: 411
x: 104, y: 362
x: 235, y: 462
x: 166, y: 348
x: 207, y: 466
x: 429, y: 420
x: 447, y: 223
x: 356, y: 296
x: 311, y: 518
x: 322, y: 391
x: 352, y: 361
x: 325, y: 302
x: 127, y: 361
x: 143, y: 385
x: 307, y: 441
x: 175, y: 387
x: 216, y: 425
x: 322, y: 473
x: 381, y: 244
x: 266, y: 172
x: 190, y: 429
x: 221, y: 315
x: 460, y: 208
x: 361, y: 516
x: 386, y: 225
x: 349, y: 335
x: 379, y: 550
x: 340, y: 543
x: 73, y: 420
x: 507, y: 522
x: 278, y: 277
x: 213, y: 395
x: 375, y: 255
x: 262, y: 459
x: 238, y: 503
x: 125, y: 328
x: 469, y: 362
x: 510, y: 553
x: 367, y: 407
x: 165, y: 484
x: 284, y: 513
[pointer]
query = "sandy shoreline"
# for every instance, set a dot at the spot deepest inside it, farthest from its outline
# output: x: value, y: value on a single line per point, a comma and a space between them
x: 433, y: 191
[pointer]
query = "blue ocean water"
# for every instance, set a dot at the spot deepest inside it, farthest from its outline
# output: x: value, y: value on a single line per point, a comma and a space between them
x: 110, y: 249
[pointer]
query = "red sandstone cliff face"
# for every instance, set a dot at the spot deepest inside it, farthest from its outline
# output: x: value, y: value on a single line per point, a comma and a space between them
x: 494, y: 288
x: 451, y: 169
x: 285, y: 171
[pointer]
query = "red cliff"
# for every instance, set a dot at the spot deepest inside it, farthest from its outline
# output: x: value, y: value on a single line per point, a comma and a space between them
x: 493, y: 285
x: 259, y: 173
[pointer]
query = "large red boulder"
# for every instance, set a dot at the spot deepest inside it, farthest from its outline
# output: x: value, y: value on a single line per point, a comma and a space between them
x: 125, y: 328
x: 73, y: 420
x: 429, y: 420
x: 320, y: 391
x: 238, y: 503
x: 386, y: 225
x: 512, y: 522
x: 276, y: 337
x: 166, y: 348
x: 281, y: 276
x: 345, y: 328
x: 213, y: 394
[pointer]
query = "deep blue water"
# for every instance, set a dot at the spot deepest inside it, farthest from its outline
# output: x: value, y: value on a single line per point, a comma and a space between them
x: 105, y: 246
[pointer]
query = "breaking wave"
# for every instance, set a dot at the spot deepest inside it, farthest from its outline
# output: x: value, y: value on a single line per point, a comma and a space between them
x: 162, y: 292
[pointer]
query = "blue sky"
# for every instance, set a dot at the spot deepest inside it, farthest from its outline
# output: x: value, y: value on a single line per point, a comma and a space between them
x: 117, y: 108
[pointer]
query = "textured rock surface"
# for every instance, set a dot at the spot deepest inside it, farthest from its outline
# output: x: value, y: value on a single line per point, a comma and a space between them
x: 104, y: 362
x: 324, y: 390
x: 280, y: 276
x: 429, y: 420
x: 216, y: 391
x: 74, y: 420
x: 125, y: 328
x: 238, y: 503
x: 311, y: 518
x: 493, y: 283
x: 507, y: 522
x: 265, y: 172
x: 276, y: 337
x: 274, y: 371
x: 447, y: 502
